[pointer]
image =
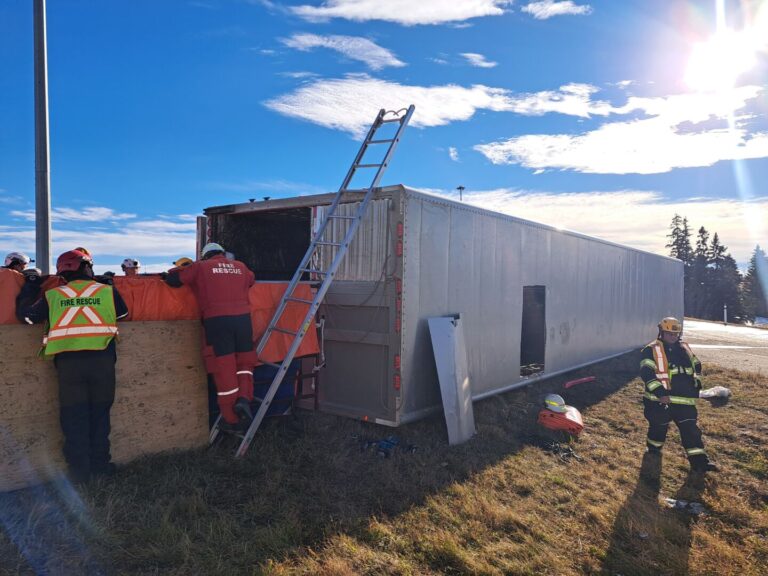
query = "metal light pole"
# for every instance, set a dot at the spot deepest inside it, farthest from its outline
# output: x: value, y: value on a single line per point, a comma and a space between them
x: 461, y: 190
x: 42, y: 160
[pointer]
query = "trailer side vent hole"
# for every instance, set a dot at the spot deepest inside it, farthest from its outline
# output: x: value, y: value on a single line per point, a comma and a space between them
x: 533, y: 339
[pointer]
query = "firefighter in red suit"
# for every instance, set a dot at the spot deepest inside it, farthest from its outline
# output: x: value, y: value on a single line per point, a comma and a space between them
x: 221, y: 287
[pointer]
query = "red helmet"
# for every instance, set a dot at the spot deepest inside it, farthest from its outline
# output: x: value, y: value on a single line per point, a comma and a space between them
x: 70, y: 261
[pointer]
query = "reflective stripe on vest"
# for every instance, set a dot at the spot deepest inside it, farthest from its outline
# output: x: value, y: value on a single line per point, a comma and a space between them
x: 82, y: 317
x: 673, y: 371
x: 662, y: 367
x: 672, y: 399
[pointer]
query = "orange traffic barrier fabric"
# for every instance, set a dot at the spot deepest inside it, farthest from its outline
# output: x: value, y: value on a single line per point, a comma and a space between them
x: 10, y: 286
x: 265, y: 298
x: 149, y: 298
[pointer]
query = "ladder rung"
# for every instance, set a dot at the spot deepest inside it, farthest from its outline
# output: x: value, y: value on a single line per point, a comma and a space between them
x: 271, y: 364
x: 342, y: 217
x: 284, y: 331
x: 301, y: 300
x: 368, y: 165
x: 388, y: 120
x: 324, y: 243
x: 387, y: 141
x: 313, y: 271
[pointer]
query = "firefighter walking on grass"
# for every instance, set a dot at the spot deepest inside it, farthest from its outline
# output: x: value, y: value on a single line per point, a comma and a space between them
x: 82, y: 317
x: 672, y: 376
x: 221, y: 287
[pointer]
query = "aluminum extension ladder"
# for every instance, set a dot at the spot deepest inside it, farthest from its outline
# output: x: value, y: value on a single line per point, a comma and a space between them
x: 402, y: 117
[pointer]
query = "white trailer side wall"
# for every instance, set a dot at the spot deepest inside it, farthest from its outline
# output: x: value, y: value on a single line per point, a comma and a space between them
x: 602, y: 299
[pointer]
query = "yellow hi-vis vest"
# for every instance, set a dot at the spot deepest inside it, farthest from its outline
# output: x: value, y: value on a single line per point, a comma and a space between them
x: 81, y: 316
x: 663, y: 374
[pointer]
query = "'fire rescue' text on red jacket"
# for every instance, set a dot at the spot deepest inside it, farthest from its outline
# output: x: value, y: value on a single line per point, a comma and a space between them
x: 220, y: 285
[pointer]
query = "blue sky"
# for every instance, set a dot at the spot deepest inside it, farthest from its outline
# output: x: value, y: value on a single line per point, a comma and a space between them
x: 604, y: 117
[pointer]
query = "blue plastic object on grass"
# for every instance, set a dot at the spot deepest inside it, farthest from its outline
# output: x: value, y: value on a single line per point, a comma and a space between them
x: 282, y: 402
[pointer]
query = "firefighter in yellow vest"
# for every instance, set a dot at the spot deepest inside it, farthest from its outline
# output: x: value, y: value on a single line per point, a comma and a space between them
x: 82, y: 317
x: 672, y: 377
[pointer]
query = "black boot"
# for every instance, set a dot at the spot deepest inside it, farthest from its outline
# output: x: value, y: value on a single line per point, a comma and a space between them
x: 243, y: 410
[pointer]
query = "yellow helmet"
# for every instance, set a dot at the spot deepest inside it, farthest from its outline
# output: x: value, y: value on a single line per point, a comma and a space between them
x: 182, y: 262
x: 671, y: 324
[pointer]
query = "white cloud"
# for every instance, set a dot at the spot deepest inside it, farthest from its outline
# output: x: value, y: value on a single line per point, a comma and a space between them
x: 280, y: 187
x: 90, y: 214
x: 453, y: 153
x: 353, y: 47
x: 669, y: 138
x: 633, y: 217
x: 351, y: 103
x: 478, y: 60
x: 152, y: 241
x: 4, y: 199
x: 549, y: 8
x: 404, y: 12
x: 298, y: 75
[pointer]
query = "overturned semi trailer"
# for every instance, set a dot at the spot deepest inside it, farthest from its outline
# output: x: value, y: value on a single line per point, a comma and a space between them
x: 535, y: 301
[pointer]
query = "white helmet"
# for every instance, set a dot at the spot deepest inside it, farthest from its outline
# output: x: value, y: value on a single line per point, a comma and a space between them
x: 20, y: 257
x: 211, y: 247
x: 130, y: 263
x: 555, y: 403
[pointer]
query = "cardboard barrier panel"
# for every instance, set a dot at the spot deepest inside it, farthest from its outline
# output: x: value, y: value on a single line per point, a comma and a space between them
x: 161, y: 398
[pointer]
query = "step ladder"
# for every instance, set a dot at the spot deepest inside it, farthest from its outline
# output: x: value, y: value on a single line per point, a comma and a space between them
x: 401, y: 117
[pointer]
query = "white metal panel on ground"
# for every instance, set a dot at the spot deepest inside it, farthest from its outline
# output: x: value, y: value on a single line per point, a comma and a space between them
x: 448, y: 345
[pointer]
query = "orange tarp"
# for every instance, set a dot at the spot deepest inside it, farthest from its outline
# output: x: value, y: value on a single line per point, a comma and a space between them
x: 10, y: 286
x: 149, y: 298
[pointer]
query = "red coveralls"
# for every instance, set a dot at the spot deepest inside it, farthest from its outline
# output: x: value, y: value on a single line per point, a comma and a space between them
x: 221, y: 287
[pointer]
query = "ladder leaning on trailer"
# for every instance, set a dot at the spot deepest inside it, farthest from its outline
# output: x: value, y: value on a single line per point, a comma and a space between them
x: 326, y: 275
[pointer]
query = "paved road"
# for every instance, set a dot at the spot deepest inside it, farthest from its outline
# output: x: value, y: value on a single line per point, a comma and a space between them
x: 739, y: 347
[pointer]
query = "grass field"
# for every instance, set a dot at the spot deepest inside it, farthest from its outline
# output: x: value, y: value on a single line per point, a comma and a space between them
x: 311, y: 499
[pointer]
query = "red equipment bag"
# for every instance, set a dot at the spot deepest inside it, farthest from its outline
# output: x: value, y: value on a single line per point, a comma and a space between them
x: 569, y: 421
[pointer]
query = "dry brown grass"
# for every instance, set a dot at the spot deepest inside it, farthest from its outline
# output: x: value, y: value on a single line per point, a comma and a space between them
x: 315, y: 503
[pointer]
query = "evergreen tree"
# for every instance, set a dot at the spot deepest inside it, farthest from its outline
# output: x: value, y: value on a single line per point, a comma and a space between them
x: 680, y: 247
x: 717, y: 252
x: 724, y: 283
x: 755, y: 286
x: 699, y: 305
x: 679, y: 239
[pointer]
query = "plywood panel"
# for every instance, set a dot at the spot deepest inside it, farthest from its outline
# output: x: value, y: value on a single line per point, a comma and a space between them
x: 161, y: 399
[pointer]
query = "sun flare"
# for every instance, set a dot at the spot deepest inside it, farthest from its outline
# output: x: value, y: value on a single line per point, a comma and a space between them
x: 716, y: 64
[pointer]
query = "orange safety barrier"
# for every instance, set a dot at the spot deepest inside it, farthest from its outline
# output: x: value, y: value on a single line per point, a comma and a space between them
x: 10, y: 286
x: 149, y: 298
x: 265, y: 298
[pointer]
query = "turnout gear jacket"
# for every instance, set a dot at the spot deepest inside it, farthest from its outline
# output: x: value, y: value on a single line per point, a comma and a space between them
x: 220, y: 285
x: 670, y: 370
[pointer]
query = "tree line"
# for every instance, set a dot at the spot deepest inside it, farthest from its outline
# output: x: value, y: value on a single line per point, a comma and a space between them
x: 712, y: 279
